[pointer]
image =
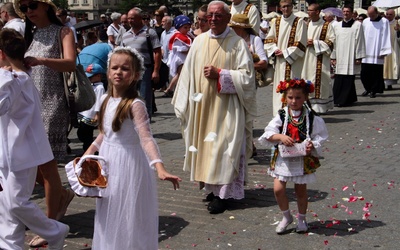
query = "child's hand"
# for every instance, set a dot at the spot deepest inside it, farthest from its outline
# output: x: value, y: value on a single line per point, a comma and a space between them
x: 309, y: 147
x: 164, y: 175
x: 30, y: 61
x: 287, y: 140
x: 8, y: 68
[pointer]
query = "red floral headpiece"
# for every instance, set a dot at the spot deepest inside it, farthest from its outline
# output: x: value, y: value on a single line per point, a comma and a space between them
x: 295, y: 83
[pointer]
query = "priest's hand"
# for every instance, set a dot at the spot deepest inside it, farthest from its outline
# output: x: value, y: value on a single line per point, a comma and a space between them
x: 358, y: 61
x: 278, y: 52
x: 310, y: 42
x: 211, y: 72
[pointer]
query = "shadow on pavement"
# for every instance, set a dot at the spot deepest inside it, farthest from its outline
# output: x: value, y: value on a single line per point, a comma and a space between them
x: 264, y: 197
x: 343, y: 227
x: 168, y: 136
x: 373, y: 103
x: 170, y: 226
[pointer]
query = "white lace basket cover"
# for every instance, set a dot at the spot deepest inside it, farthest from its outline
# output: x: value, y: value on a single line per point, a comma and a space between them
x: 74, y: 170
x: 298, y: 149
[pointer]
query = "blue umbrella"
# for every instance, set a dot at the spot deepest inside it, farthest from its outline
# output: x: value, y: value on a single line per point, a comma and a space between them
x: 95, y: 53
x: 337, y: 12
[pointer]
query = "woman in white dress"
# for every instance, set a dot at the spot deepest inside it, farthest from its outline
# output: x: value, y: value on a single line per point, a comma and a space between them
x: 127, y: 215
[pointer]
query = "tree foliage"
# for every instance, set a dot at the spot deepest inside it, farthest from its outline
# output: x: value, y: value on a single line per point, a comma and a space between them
x: 61, y: 4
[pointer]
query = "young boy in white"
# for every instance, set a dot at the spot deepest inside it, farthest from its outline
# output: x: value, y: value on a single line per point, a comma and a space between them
x: 23, y: 146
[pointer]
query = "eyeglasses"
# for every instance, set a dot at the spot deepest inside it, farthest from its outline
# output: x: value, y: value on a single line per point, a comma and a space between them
x: 202, y: 20
x: 146, y: 18
x: 32, y: 6
x: 215, y: 15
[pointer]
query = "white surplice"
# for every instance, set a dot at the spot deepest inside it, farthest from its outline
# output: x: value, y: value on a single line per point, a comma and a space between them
x: 377, y: 40
x: 349, y: 46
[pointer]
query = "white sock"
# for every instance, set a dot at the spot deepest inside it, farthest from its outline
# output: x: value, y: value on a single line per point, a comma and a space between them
x: 301, y: 220
x: 286, y: 218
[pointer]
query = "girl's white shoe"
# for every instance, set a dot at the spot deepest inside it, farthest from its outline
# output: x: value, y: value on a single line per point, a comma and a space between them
x: 302, y: 228
x: 281, y: 228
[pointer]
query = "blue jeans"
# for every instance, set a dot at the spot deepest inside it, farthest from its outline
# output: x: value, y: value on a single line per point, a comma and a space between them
x: 146, y: 89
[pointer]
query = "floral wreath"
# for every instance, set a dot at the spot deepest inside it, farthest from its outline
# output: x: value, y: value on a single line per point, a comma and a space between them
x: 134, y: 52
x: 283, y: 86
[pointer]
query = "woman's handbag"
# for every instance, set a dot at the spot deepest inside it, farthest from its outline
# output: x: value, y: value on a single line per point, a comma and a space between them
x: 78, y: 88
x: 88, y: 178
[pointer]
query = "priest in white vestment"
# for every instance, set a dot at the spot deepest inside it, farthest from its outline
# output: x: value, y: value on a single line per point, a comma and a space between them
x: 377, y: 46
x: 215, y: 100
x: 348, y: 51
x: 243, y: 7
x: 317, y: 63
x: 286, y: 41
x: 390, y: 66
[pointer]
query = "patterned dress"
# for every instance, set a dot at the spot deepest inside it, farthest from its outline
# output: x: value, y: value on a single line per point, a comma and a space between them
x: 51, y: 88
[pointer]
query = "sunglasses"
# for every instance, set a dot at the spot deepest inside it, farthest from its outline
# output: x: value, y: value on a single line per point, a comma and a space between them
x: 146, y: 18
x: 32, y: 6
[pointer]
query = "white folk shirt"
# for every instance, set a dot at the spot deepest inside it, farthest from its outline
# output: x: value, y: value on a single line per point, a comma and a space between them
x: 377, y: 40
x: 24, y: 143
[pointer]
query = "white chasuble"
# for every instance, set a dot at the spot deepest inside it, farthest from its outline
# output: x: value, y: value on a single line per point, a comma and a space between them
x: 390, y: 66
x: 215, y: 124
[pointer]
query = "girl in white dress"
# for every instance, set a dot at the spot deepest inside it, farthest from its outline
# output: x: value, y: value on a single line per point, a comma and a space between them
x: 293, y: 125
x: 127, y: 216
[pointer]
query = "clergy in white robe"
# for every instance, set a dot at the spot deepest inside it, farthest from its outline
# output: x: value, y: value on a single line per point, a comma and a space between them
x: 377, y: 46
x: 215, y: 100
x: 249, y: 9
x: 286, y: 40
x: 348, y: 51
x: 320, y: 40
x: 390, y: 66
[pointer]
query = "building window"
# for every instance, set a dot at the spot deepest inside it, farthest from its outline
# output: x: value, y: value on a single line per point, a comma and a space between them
x: 74, y: 1
x: 85, y: 2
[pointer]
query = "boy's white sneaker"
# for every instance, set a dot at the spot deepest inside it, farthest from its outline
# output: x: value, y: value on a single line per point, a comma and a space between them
x: 59, y: 245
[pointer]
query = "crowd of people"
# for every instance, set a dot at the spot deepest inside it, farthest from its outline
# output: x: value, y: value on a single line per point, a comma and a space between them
x: 208, y: 64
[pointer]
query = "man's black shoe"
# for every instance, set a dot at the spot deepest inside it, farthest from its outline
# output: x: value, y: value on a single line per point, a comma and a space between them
x: 217, y: 206
x: 365, y: 93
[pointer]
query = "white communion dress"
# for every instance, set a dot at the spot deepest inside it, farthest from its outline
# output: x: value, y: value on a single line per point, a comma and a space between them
x: 127, y: 216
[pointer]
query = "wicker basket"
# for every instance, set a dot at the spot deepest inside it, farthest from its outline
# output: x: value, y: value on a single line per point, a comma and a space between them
x: 88, y: 178
x: 90, y: 175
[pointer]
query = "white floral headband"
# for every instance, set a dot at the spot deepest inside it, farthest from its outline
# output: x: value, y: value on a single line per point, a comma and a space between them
x: 134, y: 52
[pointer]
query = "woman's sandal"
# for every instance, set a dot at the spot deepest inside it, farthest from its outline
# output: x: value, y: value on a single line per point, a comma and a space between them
x: 37, y: 241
